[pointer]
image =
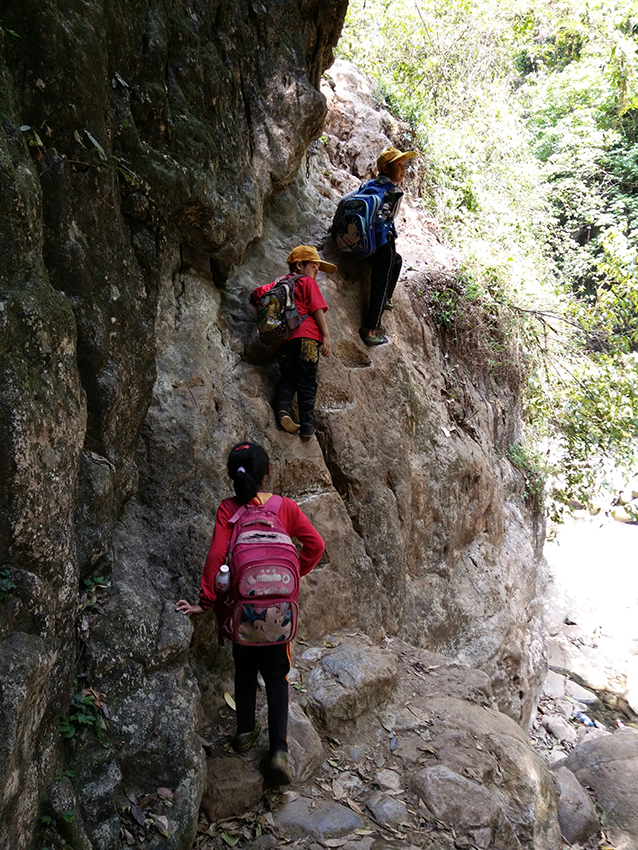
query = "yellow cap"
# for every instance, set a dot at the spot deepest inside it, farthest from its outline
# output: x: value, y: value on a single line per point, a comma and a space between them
x: 308, y: 254
x: 392, y: 155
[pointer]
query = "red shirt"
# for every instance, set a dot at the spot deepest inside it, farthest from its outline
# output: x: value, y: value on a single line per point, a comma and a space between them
x: 308, y: 299
x: 293, y: 520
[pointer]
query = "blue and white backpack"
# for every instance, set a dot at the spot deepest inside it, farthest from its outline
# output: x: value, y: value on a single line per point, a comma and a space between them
x: 357, y: 219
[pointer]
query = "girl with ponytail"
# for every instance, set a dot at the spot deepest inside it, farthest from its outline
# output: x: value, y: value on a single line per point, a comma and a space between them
x: 249, y: 468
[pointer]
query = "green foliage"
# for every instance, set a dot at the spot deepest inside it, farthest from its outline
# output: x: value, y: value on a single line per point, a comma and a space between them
x: 98, y: 581
x: 87, y: 710
x: 445, y: 306
x: 6, y: 585
x: 526, y: 117
x: 533, y: 466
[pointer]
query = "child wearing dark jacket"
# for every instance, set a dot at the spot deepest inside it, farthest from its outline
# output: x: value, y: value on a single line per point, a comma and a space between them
x: 249, y: 469
x: 298, y: 356
x: 386, y: 263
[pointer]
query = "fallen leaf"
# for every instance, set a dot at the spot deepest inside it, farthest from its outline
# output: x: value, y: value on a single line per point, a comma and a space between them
x: 290, y: 796
x: 354, y: 806
x: 338, y: 790
x: 334, y: 842
x: 127, y: 836
x: 229, y: 839
x: 364, y: 832
x: 165, y: 793
x: 138, y: 814
x: 230, y: 702
x: 161, y: 824
x: 427, y: 748
x: 269, y: 819
x: 419, y: 714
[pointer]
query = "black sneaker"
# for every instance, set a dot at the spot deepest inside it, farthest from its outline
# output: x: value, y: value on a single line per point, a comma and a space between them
x: 306, y: 432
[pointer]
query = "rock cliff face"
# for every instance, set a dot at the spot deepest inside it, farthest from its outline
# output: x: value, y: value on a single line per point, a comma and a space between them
x: 145, y: 153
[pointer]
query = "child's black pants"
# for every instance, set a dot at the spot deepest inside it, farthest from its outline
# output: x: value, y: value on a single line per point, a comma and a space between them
x: 273, y: 662
x: 386, y: 268
x: 298, y: 360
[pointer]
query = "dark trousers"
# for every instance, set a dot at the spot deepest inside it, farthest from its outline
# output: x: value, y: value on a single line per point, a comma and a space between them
x: 298, y: 360
x: 386, y: 268
x: 273, y: 662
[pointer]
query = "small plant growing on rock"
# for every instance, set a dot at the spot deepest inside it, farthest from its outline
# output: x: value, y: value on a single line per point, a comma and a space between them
x: 6, y: 585
x: 530, y: 464
x: 87, y: 709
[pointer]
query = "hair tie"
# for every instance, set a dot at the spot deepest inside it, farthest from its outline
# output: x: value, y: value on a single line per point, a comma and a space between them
x: 239, y: 448
x: 240, y: 469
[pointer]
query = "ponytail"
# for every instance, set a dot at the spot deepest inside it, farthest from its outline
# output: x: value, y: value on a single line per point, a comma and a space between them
x: 248, y: 465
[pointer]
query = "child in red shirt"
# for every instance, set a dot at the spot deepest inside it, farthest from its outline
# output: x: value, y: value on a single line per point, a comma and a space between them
x: 249, y: 469
x: 298, y: 356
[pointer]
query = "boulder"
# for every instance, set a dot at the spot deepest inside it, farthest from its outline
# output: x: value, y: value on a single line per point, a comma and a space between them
x: 387, y: 809
x: 560, y: 729
x: 576, y: 813
x: 609, y: 766
x: 467, y: 805
x: 233, y: 786
x: 324, y: 821
x: 349, y: 681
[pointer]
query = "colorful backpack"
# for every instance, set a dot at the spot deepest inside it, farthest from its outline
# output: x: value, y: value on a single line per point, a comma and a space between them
x: 261, y: 606
x: 357, y: 219
x: 277, y: 315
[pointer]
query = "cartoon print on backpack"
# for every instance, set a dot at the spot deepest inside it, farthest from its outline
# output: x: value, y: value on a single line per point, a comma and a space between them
x: 272, y: 624
x: 349, y: 234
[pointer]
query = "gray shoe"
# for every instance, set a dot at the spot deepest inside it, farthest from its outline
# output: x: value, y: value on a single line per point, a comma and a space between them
x: 244, y: 742
x: 279, y: 770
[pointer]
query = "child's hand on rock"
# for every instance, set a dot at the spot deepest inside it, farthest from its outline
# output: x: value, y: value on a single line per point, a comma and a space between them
x: 185, y: 608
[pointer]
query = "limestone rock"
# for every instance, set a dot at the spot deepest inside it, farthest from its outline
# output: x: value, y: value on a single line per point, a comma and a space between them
x: 324, y: 821
x: 304, y: 744
x: 609, y: 766
x: 348, y: 681
x: 457, y: 800
x: 233, y: 786
x: 554, y: 685
x: 387, y: 809
x: 577, y: 692
x: 576, y: 813
x: 560, y: 729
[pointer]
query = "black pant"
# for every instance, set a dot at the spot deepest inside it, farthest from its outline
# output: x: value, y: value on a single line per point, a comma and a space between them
x: 298, y: 360
x: 273, y: 662
x: 386, y: 268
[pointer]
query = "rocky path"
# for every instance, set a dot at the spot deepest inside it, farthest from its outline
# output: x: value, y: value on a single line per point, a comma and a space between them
x: 393, y: 747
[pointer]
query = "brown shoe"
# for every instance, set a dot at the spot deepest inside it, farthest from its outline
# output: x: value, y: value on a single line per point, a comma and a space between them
x: 287, y: 422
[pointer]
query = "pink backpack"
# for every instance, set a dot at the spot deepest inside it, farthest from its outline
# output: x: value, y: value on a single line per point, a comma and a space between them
x: 262, y: 604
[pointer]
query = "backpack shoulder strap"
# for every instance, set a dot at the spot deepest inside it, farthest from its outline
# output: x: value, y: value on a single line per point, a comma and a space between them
x: 238, y: 514
x: 274, y: 503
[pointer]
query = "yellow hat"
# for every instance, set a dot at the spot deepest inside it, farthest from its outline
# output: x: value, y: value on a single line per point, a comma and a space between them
x: 308, y: 254
x: 392, y: 155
